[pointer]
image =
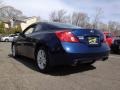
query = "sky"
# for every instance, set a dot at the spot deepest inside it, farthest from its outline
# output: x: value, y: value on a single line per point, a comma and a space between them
x: 42, y: 8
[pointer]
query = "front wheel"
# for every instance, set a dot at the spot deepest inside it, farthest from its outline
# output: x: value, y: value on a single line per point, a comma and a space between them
x: 42, y: 59
x: 6, y: 40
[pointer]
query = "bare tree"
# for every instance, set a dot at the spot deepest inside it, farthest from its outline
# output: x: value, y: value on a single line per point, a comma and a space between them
x: 102, y: 26
x: 113, y: 27
x: 1, y: 3
x: 97, y: 17
x: 52, y: 16
x: 80, y: 19
x: 58, y: 16
x: 10, y: 13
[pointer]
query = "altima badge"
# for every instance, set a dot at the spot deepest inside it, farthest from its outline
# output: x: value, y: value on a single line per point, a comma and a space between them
x: 91, y: 31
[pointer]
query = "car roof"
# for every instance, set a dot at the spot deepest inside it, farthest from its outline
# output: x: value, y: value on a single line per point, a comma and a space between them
x: 58, y: 24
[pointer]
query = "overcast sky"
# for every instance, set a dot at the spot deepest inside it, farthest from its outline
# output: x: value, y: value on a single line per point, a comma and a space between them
x: 111, y: 8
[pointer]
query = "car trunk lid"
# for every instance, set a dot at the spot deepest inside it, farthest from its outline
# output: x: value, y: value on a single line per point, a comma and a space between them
x: 90, y: 37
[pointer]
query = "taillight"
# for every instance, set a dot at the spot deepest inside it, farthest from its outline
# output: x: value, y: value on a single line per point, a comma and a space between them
x: 66, y: 36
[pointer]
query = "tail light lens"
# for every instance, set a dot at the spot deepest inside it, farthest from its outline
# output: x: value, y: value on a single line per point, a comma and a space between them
x: 66, y: 36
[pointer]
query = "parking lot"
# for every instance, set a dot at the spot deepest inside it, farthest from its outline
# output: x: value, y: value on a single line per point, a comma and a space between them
x: 22, y: 74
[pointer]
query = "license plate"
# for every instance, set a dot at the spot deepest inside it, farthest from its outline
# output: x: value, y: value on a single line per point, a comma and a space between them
x: 93, y: 40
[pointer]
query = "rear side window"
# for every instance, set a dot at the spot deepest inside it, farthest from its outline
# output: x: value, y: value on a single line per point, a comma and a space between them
x: 29, y: 31
x: 38, y: 28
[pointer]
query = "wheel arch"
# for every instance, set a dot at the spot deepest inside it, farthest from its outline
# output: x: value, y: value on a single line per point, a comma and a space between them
x: 38, y: 45
x: 6, y: 39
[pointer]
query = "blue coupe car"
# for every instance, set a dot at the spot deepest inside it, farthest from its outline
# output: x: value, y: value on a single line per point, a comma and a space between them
x: 52, y: 43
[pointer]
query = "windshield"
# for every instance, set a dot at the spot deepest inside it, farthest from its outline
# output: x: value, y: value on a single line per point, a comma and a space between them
x: 109, y: 35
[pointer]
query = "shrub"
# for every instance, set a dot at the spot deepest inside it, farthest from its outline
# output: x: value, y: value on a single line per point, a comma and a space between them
x: 14, y: 30
x: 2, y: 28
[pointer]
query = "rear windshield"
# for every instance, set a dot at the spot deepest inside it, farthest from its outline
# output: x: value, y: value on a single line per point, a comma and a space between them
x: 109, y: 35
x: 63, y: 25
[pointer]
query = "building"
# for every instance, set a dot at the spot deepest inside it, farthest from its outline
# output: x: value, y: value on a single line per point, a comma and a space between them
x: 22, y: 21
x: 28, y: 21
x: 6, y: 22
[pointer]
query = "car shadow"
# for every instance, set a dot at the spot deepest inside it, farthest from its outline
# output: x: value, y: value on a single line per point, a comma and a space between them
x: 57, y: 70
x: 26, y: 61
x: 115, y: 53
x: 67, y: 70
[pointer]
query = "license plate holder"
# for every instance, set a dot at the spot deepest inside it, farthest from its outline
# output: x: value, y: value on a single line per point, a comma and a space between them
x: 93, y: 40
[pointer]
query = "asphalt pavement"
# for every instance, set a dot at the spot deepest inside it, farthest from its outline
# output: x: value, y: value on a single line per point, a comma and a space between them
x: 22, y: 74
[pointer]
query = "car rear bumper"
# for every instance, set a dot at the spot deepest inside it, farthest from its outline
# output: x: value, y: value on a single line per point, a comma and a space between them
x: 71, y: 53
x: 73, y: 58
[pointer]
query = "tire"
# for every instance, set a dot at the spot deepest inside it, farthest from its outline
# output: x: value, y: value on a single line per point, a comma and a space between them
x: 6, y: 40
x: 14, y: 53
x: 42, y: 60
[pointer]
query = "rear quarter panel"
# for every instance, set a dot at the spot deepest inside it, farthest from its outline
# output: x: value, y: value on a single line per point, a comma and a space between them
x: 49, y: 39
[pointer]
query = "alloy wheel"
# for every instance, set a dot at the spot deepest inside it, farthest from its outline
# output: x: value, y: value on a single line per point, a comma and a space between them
x: 41, y: 59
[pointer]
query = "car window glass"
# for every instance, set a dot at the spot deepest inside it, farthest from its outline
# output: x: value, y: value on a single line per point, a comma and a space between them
x: 11, y: 36
x: 29, y: 31
x: 108, y: 35
x: 38, y: 28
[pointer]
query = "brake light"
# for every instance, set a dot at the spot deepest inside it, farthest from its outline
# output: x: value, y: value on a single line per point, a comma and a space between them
x: 66, y: 36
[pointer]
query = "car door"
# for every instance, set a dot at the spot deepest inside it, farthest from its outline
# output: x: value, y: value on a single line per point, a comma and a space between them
x: 29, y: 42
x: 25, y: 42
